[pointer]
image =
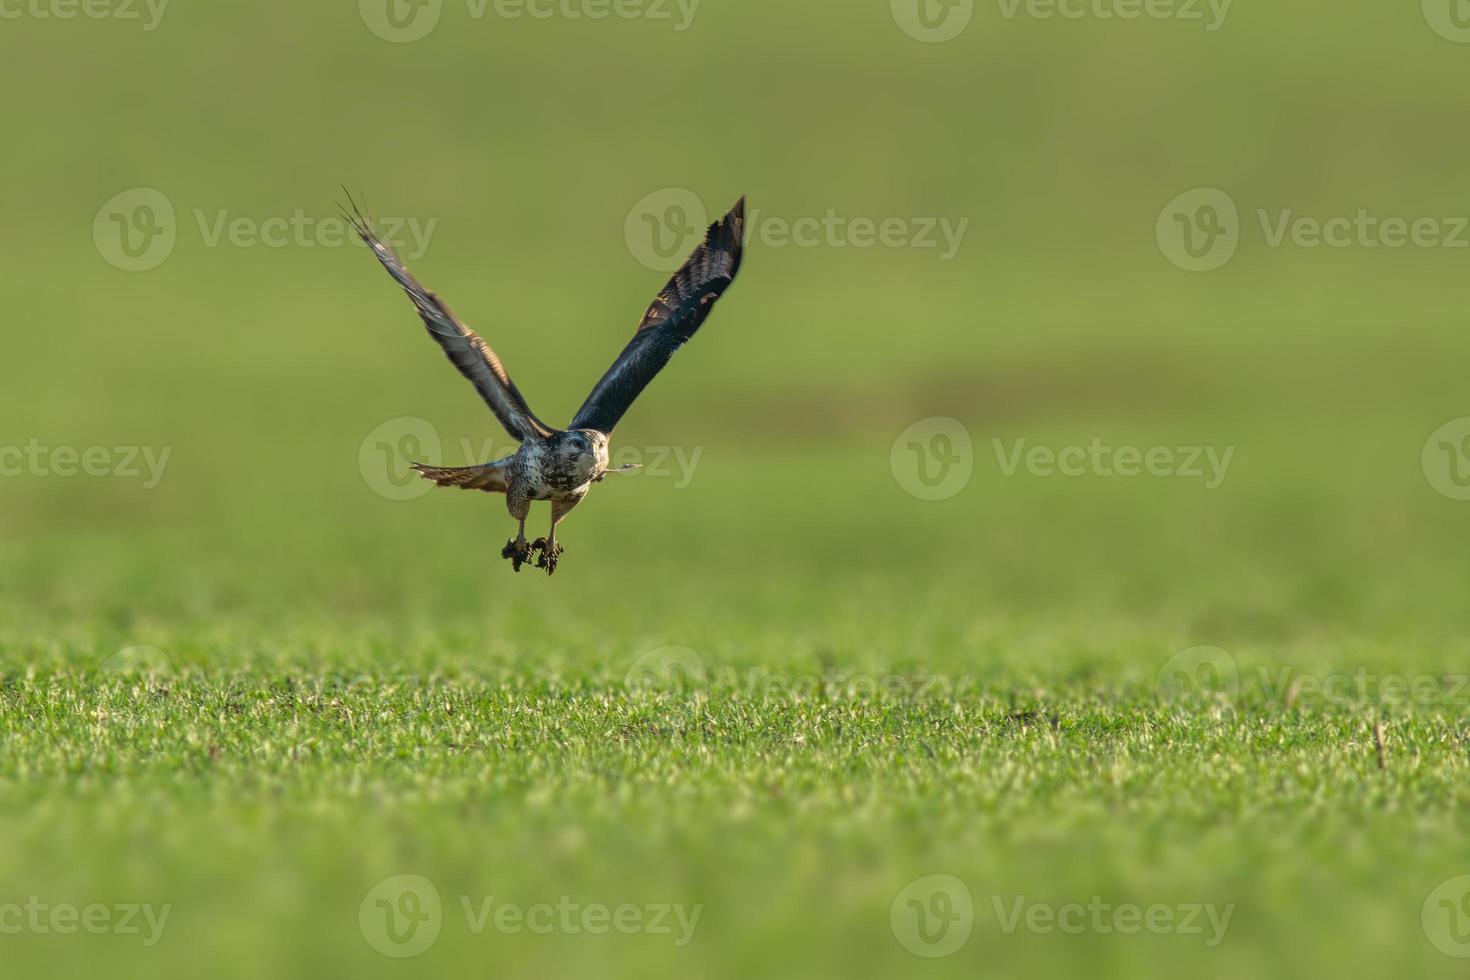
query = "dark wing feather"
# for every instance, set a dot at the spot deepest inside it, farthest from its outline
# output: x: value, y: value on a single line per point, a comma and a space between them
x: 672, y: 319
x: 474, y: 358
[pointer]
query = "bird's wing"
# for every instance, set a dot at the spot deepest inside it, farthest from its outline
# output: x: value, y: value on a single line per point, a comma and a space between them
x: 672, y: 319
x: 465, y: 349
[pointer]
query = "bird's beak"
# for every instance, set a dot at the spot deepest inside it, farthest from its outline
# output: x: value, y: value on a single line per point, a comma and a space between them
x: 627, y: 468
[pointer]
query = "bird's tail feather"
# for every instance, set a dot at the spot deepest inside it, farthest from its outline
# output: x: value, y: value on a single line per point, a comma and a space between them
x: 489, y: 477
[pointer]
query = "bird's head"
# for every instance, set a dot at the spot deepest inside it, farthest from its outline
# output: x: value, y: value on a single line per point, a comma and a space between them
x: 588, y: 451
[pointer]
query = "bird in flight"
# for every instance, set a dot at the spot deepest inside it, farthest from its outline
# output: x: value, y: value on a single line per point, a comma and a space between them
x: 560, y: 465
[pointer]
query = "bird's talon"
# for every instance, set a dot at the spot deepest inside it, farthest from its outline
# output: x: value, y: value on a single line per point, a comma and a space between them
x: 550, y: 555
x: 518, y: 552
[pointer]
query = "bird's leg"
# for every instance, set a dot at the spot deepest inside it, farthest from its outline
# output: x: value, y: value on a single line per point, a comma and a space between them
x: 519, y: 550
x: 551, y: 551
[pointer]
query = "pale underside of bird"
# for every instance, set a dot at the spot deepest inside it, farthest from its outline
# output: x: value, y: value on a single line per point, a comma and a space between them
x: 560, y: 465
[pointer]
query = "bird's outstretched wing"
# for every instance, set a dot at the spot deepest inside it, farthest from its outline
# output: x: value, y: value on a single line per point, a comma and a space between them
x: 672, y: 319
x: 465, y: 349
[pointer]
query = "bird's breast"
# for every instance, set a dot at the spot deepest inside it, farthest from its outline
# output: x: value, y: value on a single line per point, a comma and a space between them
x: 549, y: 472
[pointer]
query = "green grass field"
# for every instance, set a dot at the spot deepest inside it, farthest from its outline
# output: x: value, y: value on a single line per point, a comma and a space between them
x: 1171, y: 680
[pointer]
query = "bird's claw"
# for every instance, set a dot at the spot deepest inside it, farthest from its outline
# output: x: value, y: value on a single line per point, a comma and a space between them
x: 518, y: 551
x: 550, y: 555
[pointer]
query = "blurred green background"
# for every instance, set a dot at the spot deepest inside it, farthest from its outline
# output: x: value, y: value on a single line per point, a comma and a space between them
x: 357, y: 688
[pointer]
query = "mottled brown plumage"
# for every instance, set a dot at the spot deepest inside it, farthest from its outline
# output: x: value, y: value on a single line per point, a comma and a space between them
x: 560, y: 465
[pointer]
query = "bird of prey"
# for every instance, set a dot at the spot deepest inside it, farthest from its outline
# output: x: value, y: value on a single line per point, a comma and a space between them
x: 560, y: 465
